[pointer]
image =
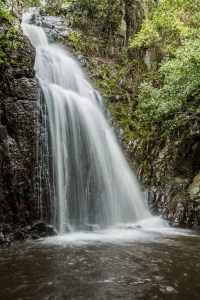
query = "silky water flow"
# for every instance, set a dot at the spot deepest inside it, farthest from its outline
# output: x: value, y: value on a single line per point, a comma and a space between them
x: 91, y: 181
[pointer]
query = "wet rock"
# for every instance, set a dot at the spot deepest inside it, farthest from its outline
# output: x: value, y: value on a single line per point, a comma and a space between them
x: 38, y: 228
x: 175, y: 211
x: 11, y: 238
x: 6, y: 229
x: 181, y: 183
x: 50, y: 230
x: 89, y: 227
x: 18, y: 135
x: 2, y: 240
x: 35, y: 237
x: 54, y: 27
x: 194, y: 188
x: 7, y: 242
x: 168, y: 176
x: 179, y: 216
x: 43, y: 234
x: 134, y: 227
x: 20, y: 235
x: 24, y: 89
x: 81, y: 61
x: 85, y: 227
x: 18, y: 104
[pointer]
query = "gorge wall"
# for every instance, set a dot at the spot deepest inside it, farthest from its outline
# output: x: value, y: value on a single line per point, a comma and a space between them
x: 19, y: 92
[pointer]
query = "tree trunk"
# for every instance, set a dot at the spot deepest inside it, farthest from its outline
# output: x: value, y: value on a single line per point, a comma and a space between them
x: 134, y: 15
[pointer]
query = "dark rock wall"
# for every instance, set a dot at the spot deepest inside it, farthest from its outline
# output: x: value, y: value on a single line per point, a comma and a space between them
x: 170, y: 173
x: 19, y: 130
x: 18, y: 100
x: 24, y: 183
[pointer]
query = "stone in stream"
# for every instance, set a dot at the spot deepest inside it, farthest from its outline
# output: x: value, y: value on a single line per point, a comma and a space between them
x: 1, y: 239
x: 50, y: 231
x: 134, y: 227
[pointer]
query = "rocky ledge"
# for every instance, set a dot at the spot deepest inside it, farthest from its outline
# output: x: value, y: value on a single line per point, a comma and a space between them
x: 54, y: 27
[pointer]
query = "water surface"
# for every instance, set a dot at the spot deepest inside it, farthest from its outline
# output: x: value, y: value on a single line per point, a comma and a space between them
x: 115, y: 264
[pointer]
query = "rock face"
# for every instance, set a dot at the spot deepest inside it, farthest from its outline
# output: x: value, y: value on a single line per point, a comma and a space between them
x: 19, y: 129
x: 18, y: 101
x: 54, y: 27
x: 169, y: 171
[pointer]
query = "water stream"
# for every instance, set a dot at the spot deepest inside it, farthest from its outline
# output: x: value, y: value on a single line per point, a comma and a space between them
x: 91, y: 181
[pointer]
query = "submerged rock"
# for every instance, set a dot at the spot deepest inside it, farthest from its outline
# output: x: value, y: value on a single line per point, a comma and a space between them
x: 35, y: 237
x: 134, y: 227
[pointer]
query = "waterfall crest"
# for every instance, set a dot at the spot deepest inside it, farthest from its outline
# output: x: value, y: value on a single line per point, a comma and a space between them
x: 91, y: 181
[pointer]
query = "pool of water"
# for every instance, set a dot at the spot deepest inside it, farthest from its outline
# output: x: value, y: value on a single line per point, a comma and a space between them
x: 112, y: 264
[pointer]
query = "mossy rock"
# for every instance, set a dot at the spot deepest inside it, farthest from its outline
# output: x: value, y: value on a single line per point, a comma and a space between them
x: 194, y: 188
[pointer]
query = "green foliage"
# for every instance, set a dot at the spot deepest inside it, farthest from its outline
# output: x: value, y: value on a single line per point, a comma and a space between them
x: 51, y: 6
x: 181, y: 84
x: 5, y: 18
x: 168, y: 91
x: 168, y: 25
x: 148, y: 36
x: 32, y: 3
x: 10, y: 38
x: 5, y: 15
x: 104, y: 15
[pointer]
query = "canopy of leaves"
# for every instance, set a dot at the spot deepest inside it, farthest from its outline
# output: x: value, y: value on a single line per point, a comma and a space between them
x: 53, y: 6
x: 181, y: 84
x: 168, y: 24
x: 173, y: 87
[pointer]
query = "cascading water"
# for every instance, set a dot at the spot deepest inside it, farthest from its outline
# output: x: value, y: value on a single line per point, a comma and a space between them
x: 90, y: 179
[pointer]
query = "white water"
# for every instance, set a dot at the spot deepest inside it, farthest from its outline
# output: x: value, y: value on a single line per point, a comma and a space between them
x: 91, y: 180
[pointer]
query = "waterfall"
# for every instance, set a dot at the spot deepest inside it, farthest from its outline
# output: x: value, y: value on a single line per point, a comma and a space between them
x: 90, y: 179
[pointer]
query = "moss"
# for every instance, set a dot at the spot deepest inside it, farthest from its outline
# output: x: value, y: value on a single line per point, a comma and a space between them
x: 10, y: 42
x: 5, y: 16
